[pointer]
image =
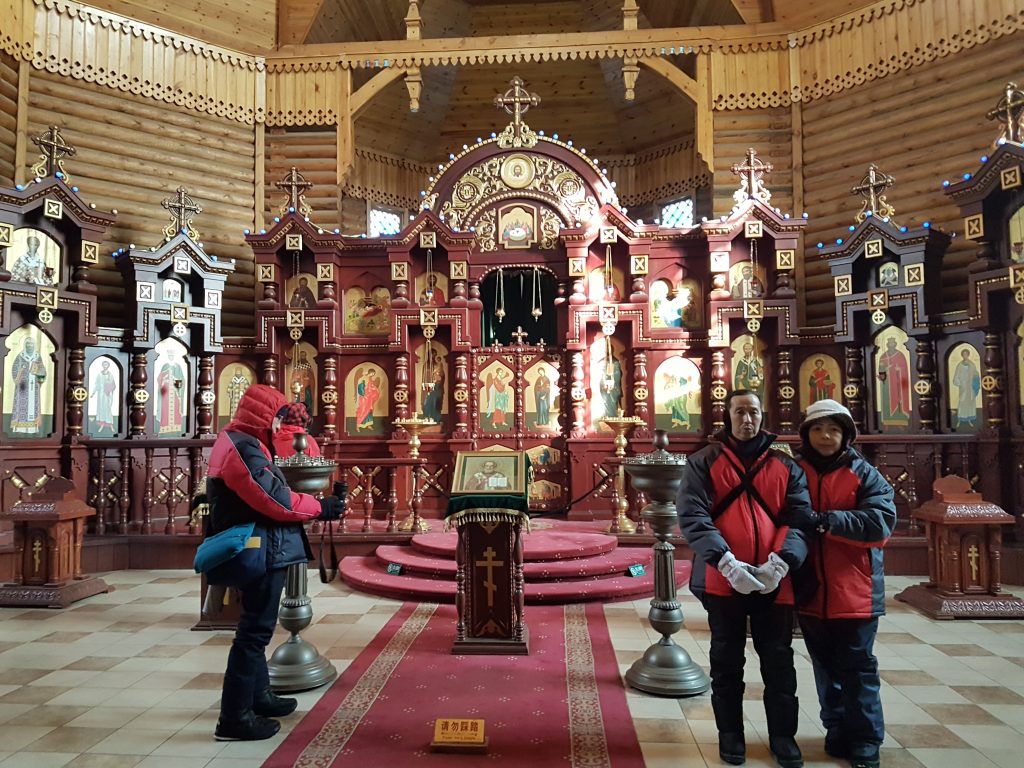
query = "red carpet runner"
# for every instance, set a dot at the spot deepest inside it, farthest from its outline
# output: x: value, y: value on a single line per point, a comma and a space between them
x: 564, y: 704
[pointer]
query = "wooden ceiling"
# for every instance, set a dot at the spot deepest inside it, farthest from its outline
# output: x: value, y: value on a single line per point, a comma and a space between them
x: 581, y: 99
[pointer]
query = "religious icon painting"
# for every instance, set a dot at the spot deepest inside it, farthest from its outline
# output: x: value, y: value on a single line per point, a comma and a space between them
x: 892, y: 379
x: 544, y: 456
x: 664, y: 312
x: 431, y: 289
x: 33, y: 257
x: 497, y: 398
x: 171, y: 388
x: 366, y: 400
x: 1016, y: 236
x: 677, y: 395
x: 300, y: 376
x: 517, y: 225
x: 103, y: 405
x: 231, y: 385
x: 746, y: 280
x: 28, y: 383
x: 541, y: 398
x: 431, y: 375
x: 170, y: 290
x: 749, y: 370
x: 607, y: 380
x: 600, y: 291
x: 819, y: 380
x: 963, y: 366
x: 888, y: 274
x: 499, y: 471
x: 543, y: 492
x: 301, y: 291
x: 367, y: 313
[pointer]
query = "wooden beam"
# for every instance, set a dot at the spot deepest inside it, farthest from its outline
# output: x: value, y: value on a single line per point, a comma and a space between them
x: 682, y: 81
x: 755, y: 11
x: 372, y: 87
x: 295, y: 18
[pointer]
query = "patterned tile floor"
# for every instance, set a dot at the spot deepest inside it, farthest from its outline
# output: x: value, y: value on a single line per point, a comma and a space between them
x: 119, y: 680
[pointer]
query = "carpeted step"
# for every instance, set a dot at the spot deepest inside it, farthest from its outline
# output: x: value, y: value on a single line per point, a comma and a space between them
x: 539, y: 545
x: 368, y: 575
x: 614, y: 563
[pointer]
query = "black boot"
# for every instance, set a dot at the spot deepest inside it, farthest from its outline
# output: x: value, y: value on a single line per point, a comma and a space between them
x: 864, y: 756
x: 785, y: 751
x: 835, y: 743
x: 248, y: 727
x: 732, y: 747
x: 267, y: 704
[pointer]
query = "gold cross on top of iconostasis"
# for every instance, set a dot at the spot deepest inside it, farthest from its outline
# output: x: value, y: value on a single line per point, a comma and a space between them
x: 517, y: 102
x: 295, y: 184
x: 182, y: 209
x: 871, y: 188
x: 751, y: 171
x: 1009, y: 112
x: 53, y: 148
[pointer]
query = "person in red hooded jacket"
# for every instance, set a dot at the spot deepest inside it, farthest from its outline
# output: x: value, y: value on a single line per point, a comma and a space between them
x: 855, y: 515
x: 741, y: 507
x: 244, y: 485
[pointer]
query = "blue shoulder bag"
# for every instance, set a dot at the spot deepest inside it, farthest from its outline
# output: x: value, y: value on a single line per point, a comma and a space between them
x: 233, y: 558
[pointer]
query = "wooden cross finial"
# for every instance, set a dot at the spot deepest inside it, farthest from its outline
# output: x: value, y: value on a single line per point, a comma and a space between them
x: 871, y: 188
x: 1009, y: 112
x: 519, y: 335
x: 295, y: 183
x: 751, y: 171
x: 182, y: 208
x: 517, y: 101
x: 53, y: 148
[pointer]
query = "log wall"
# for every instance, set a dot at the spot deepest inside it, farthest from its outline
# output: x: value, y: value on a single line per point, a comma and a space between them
x: 768, y: 131
x: 8, y: 118
x: 133, y: 153
x: 313, y: 152
x: 920, y: 126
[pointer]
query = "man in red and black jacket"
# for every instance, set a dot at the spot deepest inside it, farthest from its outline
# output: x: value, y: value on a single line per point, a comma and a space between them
x: 856, y: 515
x: 741, y: 508
x: 244, y: 485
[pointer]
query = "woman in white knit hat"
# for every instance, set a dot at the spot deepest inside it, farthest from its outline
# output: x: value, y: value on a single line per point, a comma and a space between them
x: 855, y: 516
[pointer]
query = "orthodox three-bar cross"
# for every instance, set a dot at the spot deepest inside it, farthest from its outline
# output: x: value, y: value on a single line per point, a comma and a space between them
x: 53, y: 148
x: 295, y: 184
x: 750, y: 171
x: 516, y: 101
x: 182, y: 209
x: 871, y: 188
x: 1009, y: 111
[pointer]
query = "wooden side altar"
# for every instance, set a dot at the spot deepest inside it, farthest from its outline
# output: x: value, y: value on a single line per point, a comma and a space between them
x: 489, y: 594
x: 964, y: 551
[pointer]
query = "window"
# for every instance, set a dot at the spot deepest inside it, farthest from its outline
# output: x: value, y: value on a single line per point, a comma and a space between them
x: 678, y: 213
x: 384, y: 221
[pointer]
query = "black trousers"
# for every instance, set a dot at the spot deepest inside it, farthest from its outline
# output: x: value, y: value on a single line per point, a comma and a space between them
x: 246, y: 673
x: 846, y: 675
x: 771, y: 628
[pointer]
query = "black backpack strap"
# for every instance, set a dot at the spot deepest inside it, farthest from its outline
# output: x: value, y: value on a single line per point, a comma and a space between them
x: 745, y: 485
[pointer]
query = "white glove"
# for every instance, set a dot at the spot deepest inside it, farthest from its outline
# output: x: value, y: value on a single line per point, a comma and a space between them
x: 771, y: 573
x: 739, y: 574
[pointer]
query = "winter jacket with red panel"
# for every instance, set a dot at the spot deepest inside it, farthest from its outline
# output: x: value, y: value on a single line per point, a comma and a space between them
x: 243, y: 484
x: 847, y: 559
x: 747, y: 499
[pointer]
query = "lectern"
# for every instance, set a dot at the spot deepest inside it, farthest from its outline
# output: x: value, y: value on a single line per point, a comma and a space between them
x: 489, y: 592
x: 964, y: 548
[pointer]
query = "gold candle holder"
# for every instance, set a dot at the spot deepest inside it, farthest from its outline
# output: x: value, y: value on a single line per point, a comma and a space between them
x: 414, y: 425
x: 621, y: 425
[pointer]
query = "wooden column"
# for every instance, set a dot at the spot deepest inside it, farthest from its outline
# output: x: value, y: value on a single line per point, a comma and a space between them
x: 641, y: 395
x: 140, y: 395
x: 853, y: 391
x: 77, y: 394
x: 787, y: 392
x: 205, y: 396
x: 270, y: 371
x: 330, y: 398
x: 925, y: 384
x: 461, y: 398
x: 719, y: 389
x: 578, y: 393
x: 992, y: 382
x: 402, y: 388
